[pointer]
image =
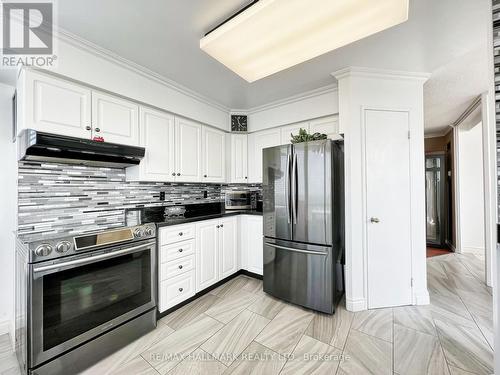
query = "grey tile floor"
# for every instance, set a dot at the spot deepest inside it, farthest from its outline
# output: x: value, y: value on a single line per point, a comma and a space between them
x: 237, y: 328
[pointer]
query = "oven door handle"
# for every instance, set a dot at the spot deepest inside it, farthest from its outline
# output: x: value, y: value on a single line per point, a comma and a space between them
x: 93, y: 259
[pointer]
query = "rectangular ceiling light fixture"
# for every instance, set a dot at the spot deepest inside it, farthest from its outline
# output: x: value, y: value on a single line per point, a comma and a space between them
x: 273, y: 35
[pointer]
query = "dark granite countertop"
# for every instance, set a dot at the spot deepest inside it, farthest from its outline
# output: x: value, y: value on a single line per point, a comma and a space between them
x: 188, y: 214
x: 207, y: 217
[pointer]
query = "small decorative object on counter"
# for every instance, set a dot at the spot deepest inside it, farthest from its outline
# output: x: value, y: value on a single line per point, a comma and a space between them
x: 304, y: 136
x: 98, y: 139
x: 239, y: 123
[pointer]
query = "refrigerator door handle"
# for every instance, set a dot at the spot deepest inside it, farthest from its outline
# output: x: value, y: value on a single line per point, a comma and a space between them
x: 287, y: 189
x: 296, y: 250
x: 294, y: 188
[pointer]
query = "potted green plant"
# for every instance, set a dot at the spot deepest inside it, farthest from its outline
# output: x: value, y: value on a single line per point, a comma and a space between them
x: 304, y: 136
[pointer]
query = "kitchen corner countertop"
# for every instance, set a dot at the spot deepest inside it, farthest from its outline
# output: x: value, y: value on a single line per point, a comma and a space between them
x: 207, y: 217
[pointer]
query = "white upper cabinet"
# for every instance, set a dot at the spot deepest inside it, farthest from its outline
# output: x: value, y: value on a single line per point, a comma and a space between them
x: 156, y: 135
x: 256, y: 143
x: 187, y: 150
x: 287, y: 131
x: 115, y: 119
x: 214, y: 155
x: 54, y: 106
x: 238, y: 158
x: 326, y: 125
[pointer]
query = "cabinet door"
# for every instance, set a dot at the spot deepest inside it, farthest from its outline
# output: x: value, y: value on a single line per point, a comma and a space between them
x: 228, y: 247
x: 326, y: 125
x: 287, y: 131
x: 259, y: 141
x: 187, y: 150
x: 115, y: 119
x: 214, y: 155
x: 156, y: 135
x: 56, y: 106
x: 255, y: 247
x: 239, y: 158
x: 207, y: 244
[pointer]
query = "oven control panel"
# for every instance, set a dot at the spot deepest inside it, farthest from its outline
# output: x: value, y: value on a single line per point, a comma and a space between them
x: 59, y: 247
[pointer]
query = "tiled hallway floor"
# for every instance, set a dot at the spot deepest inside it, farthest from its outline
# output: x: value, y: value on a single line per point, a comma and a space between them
x: 237, y: 328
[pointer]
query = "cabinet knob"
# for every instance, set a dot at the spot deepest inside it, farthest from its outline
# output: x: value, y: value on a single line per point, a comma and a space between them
x: 178, y: 174
x: 180, y: 250
x: 180, y: 267
x: 217, y: 226
x: 97, y: 130
x: 173, y: 174
x: 222, y: 225
x: 181, y: 289
x: 205, y: 175
x: 375, y: 220
x: 88, y: 128
x: 246, y: 177
x: 180, y: 233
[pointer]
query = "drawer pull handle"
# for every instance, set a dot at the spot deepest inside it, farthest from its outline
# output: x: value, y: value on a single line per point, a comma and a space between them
x: 180, y: 289
x: 180, y: 233
x: 180, y: 267
x: 180, y: 250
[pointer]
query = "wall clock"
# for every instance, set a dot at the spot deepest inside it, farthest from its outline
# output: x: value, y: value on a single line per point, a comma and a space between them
x: 239, y: 123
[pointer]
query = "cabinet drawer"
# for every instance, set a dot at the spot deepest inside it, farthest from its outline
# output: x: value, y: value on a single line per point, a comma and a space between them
x: 176, y: 267
x: 176, y: 250
x: 176, y: 233
x: 175, y: 290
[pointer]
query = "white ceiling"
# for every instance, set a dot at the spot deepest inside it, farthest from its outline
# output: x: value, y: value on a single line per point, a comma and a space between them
x: 444, y: 37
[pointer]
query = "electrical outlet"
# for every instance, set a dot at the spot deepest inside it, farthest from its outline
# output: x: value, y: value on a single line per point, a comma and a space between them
x: 162, y: 195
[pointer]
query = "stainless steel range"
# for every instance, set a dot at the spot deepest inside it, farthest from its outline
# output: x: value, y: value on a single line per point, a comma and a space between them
x: 80, y: 298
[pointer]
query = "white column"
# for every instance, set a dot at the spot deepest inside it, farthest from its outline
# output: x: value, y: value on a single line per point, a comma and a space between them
x: 361, y: 88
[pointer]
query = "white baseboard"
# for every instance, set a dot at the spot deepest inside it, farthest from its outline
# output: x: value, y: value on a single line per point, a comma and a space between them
x: 5, y: 327
x: 421, y: 297
x: 354, y: 305
x: 474, y: 250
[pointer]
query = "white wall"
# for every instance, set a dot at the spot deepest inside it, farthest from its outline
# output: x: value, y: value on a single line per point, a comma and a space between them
x: 96, y: 69
x: 318, y: 103
x: 471, y: 187
x: 8, y: 201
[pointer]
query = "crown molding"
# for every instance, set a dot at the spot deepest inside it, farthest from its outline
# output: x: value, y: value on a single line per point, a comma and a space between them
x: 291, y: 99
x: 106, y: 54
x: 98, y: 51
x: 356, y: 71
x: 439, y: 133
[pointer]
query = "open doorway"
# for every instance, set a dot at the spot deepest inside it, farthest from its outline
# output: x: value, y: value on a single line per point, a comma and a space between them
x: 470, y: 193
x: 440, y: 207
x: 457, y: 205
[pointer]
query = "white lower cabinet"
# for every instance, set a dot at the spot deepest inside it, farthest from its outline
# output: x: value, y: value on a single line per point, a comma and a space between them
x: 228, y: 247
x: 177, y: 261
x: 207, y: 254
x: 216, y: 251
x: 251, y: 243
x: 194, y: 256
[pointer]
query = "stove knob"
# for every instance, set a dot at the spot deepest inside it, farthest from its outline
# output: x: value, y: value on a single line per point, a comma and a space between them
x: 138, y: 232
x: 43, y: 250
x: 149, y: 231
x: 63, y: 246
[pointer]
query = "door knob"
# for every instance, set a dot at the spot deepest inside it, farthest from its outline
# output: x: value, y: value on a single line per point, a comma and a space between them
x: 375, y: 220
x: 97, y: 130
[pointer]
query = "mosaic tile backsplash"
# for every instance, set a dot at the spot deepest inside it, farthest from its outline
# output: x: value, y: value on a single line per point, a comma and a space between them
x: 58, y: 199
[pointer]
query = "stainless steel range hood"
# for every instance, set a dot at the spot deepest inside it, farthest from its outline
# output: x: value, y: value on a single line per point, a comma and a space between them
x: 38, y: 146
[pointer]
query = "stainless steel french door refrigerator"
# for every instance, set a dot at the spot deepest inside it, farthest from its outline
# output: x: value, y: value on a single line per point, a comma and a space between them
x: 303, y: 208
